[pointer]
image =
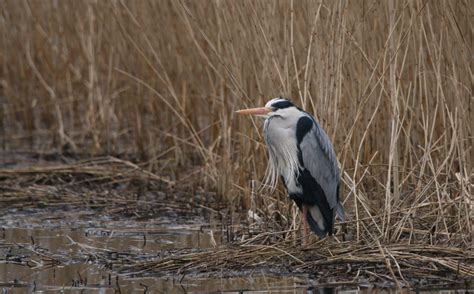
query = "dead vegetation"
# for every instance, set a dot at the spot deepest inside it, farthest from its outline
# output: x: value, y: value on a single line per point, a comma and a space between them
x: 332, y: 264
x: 421, y: 258
x: 113, y: 186
x: 391, y: 81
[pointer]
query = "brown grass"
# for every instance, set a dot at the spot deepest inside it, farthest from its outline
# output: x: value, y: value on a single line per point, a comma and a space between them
x: 390, y: 81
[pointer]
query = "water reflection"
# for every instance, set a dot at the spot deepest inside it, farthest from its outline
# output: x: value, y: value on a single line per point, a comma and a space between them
x: 90, y: 279
x: 120, y: 235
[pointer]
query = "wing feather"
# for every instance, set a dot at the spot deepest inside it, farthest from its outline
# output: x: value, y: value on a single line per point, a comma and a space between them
x: 320, y: 160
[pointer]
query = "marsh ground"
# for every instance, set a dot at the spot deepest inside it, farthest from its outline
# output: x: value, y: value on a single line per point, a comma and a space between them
x: 105, y: 224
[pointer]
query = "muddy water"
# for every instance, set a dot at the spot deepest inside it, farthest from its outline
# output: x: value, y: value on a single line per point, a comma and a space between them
x: 89, y: 279
x: 64, y: 234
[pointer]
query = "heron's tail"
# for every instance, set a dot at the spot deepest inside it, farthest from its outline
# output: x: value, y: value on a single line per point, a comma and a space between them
x: 318, y: 223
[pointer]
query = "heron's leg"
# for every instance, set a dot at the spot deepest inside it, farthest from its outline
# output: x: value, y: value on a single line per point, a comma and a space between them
x: 305, y: 225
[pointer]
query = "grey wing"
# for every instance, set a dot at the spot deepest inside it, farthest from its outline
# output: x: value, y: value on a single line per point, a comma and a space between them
x: 320, y: 160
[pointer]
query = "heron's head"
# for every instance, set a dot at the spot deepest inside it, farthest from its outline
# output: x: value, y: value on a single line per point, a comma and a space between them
x: 276, y: 107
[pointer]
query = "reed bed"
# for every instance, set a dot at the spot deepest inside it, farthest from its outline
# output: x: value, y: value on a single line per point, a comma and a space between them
x: 154, y: 85
x: 371, y: 265
x: 331, y: 264
x: 112, y: 185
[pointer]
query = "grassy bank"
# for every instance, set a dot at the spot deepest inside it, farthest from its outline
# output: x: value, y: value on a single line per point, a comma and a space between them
x: 159, y: 81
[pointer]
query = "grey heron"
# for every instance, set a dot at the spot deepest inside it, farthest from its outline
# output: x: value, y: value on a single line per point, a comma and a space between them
x: 301, y: 153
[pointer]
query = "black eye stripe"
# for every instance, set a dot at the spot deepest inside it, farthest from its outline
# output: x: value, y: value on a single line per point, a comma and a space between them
x: 282, y: 104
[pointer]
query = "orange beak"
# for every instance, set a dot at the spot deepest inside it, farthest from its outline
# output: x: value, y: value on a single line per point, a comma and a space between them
x: 255, y: 111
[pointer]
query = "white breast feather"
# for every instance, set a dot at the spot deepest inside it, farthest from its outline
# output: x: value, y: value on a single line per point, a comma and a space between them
x: 283, y: 159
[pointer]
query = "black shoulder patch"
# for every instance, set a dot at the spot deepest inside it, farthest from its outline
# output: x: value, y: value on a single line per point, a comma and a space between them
x: 282, y: 104
x: 303, y: 126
